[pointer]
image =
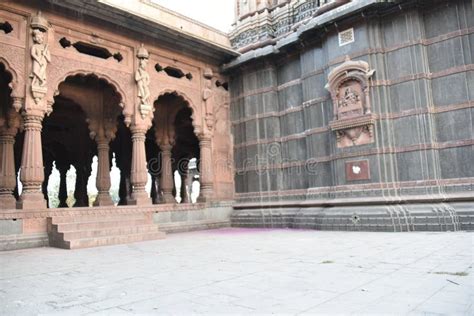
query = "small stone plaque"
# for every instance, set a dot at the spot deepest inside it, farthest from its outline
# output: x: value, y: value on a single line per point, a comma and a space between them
x: 357, y: 170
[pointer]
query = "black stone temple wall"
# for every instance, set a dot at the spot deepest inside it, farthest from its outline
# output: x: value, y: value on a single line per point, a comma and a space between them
x: 422, y: 93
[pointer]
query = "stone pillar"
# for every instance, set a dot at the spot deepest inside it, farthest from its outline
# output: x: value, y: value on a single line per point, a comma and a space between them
x: 80, y: 190
x: 103, y: 173
x: 153, y: 190
x: 7, y: 169
x: 139, y: 169
x: 123, y: 189
x: 206, y: 170
x: 32, y: 170
x: 48, y: 169
x: 62, y: 195
x: 184, y: 183
x: 166, y: 180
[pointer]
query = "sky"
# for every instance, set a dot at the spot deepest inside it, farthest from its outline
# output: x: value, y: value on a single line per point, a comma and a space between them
x: 216, y: 13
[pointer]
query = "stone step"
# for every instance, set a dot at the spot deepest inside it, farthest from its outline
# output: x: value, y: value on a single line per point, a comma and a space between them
x: 97, y: 225
x: 96, y: 218
x: 15, y: 242
x: 111, y: 240
x: 113, y: 231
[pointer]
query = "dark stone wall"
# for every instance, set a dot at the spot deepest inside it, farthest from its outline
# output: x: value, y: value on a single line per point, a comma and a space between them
x: 422, y: 93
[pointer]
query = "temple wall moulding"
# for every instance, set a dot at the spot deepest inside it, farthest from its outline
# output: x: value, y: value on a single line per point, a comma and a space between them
x: 353, y: 121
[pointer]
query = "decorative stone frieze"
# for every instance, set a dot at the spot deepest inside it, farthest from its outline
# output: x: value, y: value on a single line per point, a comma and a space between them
x: 353, y: 120
x: 258, y: 22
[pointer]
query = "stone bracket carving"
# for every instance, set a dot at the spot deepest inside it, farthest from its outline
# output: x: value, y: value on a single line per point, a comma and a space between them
x: 353, y: 120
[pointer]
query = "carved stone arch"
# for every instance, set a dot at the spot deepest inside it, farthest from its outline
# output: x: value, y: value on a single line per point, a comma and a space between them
x: 100, y: 76
x: 195, y: 116
x: 18, y: 89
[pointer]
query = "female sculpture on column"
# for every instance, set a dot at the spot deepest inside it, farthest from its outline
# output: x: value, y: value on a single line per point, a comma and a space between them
x: 143, y: 81
x: 41, y: 57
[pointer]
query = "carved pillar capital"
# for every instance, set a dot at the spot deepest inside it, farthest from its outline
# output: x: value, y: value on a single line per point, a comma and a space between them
x: 102, y: 143
x: 138, y: 131
x: 102, y: 130
x: 166, y: 147
x: 8, y: 134
x: 205, y: 140
x: 33, y: 120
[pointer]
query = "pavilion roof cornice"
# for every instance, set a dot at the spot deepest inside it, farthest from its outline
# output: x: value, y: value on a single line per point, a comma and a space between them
x: 214, y: 47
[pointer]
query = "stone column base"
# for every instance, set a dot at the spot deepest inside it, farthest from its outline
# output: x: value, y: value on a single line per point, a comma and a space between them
x: 205, y: 195
x: 103, y: 199
x: 139, y: 198
x: 29, y: 201
x: 168, y: 198
x: 7, y: 201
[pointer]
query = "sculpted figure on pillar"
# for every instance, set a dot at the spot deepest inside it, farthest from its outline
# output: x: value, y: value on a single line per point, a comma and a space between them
x: 207, y: 98
x: 40, y: 56
x: 143, y: 81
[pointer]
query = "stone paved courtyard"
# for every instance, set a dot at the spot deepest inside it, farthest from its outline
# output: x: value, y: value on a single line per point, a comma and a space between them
x: 247, y: 271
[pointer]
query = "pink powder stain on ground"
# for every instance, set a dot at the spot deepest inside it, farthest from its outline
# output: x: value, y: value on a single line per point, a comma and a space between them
x: 240, y: 231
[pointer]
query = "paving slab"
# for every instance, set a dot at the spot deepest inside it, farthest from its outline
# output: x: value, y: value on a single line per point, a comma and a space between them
x: 247, y: 271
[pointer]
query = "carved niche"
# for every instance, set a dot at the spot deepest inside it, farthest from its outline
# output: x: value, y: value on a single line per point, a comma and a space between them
x: 353, y: 120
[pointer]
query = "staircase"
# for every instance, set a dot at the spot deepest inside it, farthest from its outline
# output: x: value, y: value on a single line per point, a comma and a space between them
x: 84, y: 231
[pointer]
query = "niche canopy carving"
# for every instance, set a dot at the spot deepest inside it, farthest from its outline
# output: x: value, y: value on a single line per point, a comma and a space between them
x: 353, y: 120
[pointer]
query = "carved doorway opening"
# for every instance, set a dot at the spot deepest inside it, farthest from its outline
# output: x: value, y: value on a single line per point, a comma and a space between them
x: 83, y: 135
x: 185, y: 157
x: 172, y: 147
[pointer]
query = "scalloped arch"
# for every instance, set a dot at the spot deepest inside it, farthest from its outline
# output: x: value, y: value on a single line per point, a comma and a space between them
x: 195, y: 114
x: 16, y: 89
x: 100, y: 76
x: 338, y: 82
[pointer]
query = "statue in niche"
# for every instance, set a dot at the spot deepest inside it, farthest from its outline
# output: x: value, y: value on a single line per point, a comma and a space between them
x: 143, y: 81
x: 41, y: 57
x: 350, y: 99
x: 353, y: 121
